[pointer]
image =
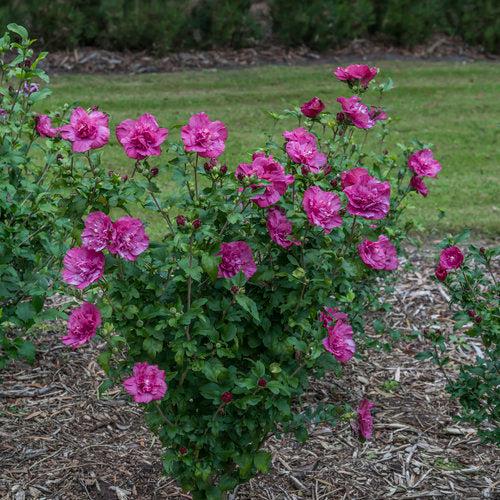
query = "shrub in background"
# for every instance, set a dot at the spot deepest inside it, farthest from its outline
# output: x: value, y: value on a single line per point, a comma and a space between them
x: 475, y: 299
x: 164, y: 25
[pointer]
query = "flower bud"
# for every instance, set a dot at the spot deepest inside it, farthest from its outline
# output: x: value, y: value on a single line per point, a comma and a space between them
x: 223, y: 169
x: 196, y: 224
x: 110, y: 173
x: 478, y: 319
x: 340, y: 117
x: 183, y: 450
x: 226, y: 397
x: 208, y: 167
x: 440, y: 273
x: 235, y: 289
x: 124, y: 178
x: 154, y: 171
x: 471, y: 313
x: 181, y: 220
x: 262, y: 382
x: 482, y: 250
x: 334, y: 183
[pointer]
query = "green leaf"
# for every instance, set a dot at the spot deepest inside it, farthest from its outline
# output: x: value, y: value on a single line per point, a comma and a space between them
x: 27, y: 351
x: 209, y: 264
x: 152, y: 346
x: 262, y: 460
x: 19, y: 30
x: 248, y: 305
x: 25, y: 311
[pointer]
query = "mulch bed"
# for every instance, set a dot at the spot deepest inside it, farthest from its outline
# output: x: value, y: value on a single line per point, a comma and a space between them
x: 59, y: 441
x: 89, y: 60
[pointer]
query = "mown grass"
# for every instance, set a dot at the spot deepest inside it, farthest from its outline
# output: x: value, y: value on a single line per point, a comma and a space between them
x: 456, y: 106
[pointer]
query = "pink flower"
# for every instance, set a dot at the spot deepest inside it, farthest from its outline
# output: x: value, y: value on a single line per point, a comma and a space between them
x: 302, y: 148
x: 204, y: 137
x: 356, y: 112
x: 82, y: 267
x: 380, y: 254
x: 147, y: 383
x: 97, y: 232
x: 322, y: 208
x: 418, y: 184
x: 128, y: 238
x: 329, y: 315
x: 312, y: 108
x: 86, y: 130
x: 378, y: 114
x: 82, y: 325
x: 451, y: 258
x: 422, y: 163
x: 356, y: 74
x: 441, y: 273
x: 368, y: 197
x: 365, y: 419
x: 142, y: 137
x: 339, y: 341
x: 268, y: 169
x: 236, y: 256
x: 353, y: 176
x: 280, y: 228
x: 44, y: 128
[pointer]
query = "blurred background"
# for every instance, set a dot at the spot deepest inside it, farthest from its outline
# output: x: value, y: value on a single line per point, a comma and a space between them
x: 159, y: 26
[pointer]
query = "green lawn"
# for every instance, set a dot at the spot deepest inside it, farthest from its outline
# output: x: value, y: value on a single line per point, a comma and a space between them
x: 454, y: 105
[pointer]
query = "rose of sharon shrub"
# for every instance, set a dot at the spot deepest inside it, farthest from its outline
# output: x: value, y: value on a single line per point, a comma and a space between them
x: 255, y: 283
x: 47, y: 188
x: 474, y: 289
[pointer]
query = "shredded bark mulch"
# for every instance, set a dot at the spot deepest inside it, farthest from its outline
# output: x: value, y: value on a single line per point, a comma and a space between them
x: 90, y: 60
x: 59, y: 441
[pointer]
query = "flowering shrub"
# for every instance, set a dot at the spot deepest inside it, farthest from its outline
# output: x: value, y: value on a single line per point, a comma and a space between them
x: 46, y: 189
x: 255, y: 281
x: 474, y: 297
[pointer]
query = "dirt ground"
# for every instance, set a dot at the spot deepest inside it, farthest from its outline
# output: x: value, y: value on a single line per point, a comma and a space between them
x: 91, y: 60
x: 59, y: 441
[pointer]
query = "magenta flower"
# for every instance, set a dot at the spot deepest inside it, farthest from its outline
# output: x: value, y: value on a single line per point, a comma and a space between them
x: 353, y: 176
x: 356, y: 112
x: 302, y: 148
x: 204, y: 137
x: 44, y: 128
x: 451, y: 258
x: 128, y: 238
x: 378, y: 114
x: 322, y: 208
x: 365, y: 419
x: 235, y: 257
x: 423, y: 164
x: 82, y: 267
x: 312, y: 108
x: 146, y: 384
x: 97, y: 232
x: 339, y: 341
x: 86, y: 130
x: 356, y: 74
x: 280, y: 228
x: 268, y: 169
x: 142, y: 137
x: 368, y: 197
x: 330, y: 315
x: 380, y: 254
x: 418, y: 184
x: 82, y: 325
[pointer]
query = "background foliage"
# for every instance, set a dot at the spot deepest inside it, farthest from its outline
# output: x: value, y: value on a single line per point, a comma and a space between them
x: 163, y: 25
